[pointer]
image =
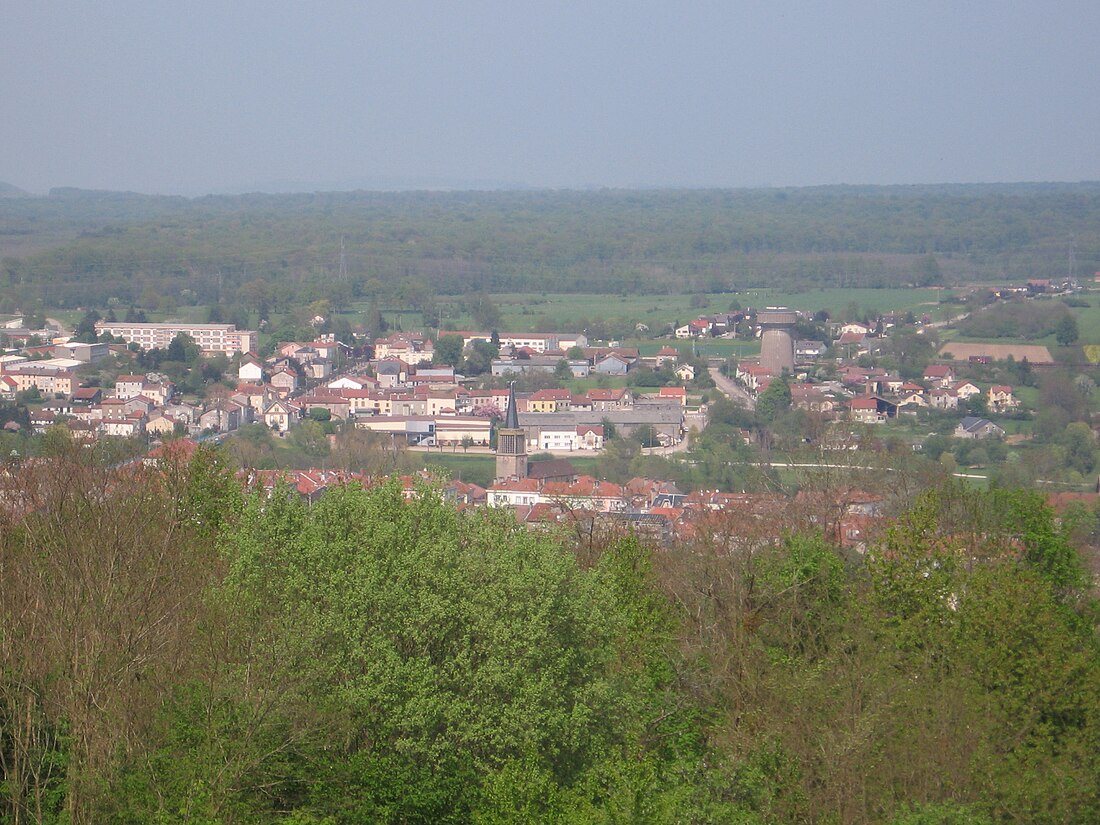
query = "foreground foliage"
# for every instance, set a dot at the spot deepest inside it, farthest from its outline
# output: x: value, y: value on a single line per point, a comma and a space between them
x: 174, y: 653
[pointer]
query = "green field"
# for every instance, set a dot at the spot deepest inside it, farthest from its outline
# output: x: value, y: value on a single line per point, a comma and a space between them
x: 531, y: 312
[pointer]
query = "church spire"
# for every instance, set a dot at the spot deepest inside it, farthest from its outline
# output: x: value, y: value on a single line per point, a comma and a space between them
x: 511, y: 444
x: 511, y: 418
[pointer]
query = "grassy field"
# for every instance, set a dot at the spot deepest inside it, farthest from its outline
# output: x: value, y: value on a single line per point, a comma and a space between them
x: 534, y: 312
x: 528, y: 312
x: 1088, y: 327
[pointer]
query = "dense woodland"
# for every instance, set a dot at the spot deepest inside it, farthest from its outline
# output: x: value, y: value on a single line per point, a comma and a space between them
x: 275, y: 251
x: 173, y: 650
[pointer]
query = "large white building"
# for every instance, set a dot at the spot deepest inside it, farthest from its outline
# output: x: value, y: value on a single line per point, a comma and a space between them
x: 534, y: 341
x: 211, y: 338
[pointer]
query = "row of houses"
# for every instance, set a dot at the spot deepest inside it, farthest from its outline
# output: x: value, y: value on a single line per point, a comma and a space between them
x: 560, y: 496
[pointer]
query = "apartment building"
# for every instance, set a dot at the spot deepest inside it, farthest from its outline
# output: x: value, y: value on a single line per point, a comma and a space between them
x: 210, y: 338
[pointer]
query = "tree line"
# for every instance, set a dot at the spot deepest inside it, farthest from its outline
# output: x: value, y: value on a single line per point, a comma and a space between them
x: 156, y: 251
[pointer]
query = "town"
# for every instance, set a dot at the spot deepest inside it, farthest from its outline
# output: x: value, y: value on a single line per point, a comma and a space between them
x: 848, y: 383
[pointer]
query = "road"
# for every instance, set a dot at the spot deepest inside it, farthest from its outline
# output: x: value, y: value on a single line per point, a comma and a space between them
x: 731, y: 389
x: 55, y: 322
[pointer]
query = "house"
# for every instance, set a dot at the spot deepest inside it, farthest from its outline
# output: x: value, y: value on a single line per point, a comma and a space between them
x: 865, y: 411
x: 810, y: 398
x: 587, y: 493
x: 908, y: 388
x: 123, y: 427
x: 590, y: 437
x: 87, y: 396
x: 973, y: 427
x: 318, y: 369
x: 160, y: 424
x: 610, y: 399
x: 47, y: 381
x: 966, y: 390
x: 699, y: 327
x: 408, y: 347
x: 612, y: 364
x: 186, y: 413
x: 942, y: 375
x: 250, y: 369
x: 912, y: 399
x: 337, y: 406
x: 390, y: 372
x: 548, y: 401
x: 854, y: 328
x: 8, y: 387
x: 157, y: 392
x: 808, y: 350
x: 285, y: 379
x: 941, y: 399
x: 870, y: 409
x: 666, y: 355
x: 685, y: 372
x: 279, y: 416
x: 352, y: 382
x: 1001, y: 398
x: 223, y: 417
x: 139, y: 403
x: 851, y: 339
x: 753, y: 375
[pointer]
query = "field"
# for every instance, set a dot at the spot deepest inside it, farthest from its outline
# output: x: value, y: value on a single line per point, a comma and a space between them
x: 533, y: 312
x: 963, y: 351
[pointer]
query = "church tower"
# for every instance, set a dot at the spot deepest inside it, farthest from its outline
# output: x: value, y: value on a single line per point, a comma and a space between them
x: 511, y: 444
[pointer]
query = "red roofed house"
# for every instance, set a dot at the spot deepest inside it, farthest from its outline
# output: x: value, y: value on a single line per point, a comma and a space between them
x: 611, y: 399
x: 941, y: 374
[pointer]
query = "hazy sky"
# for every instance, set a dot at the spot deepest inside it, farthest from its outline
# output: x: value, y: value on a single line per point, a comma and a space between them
x: 200, y: 96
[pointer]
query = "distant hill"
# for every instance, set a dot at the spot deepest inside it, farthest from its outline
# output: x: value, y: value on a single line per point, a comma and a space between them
x: 7, y: 190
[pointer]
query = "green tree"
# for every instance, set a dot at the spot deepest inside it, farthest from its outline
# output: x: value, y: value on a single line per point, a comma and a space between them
x: 448, y: 350
x: 183, y: 349
x: 420, y: 629
x: 776, y: 399
x: 85, y: 329
x: 479, y: 357
x: 309, y: 437
x: 1080, y: 446
x: 1066, y: 332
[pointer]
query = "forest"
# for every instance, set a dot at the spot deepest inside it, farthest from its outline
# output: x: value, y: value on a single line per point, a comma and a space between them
x: 175, y: 649
x: 83, y: 248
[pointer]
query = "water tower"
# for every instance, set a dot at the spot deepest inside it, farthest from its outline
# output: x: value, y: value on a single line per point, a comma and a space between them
x: 777, y: 339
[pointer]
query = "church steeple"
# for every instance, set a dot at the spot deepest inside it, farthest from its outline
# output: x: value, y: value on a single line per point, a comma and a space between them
x: 511, y: 443
x: 511, y: 418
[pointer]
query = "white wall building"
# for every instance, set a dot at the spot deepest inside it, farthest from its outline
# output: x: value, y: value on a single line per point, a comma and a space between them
x: 210, y: 338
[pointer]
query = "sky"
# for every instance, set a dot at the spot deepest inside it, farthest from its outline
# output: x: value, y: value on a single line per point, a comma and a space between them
x: 214, y: 96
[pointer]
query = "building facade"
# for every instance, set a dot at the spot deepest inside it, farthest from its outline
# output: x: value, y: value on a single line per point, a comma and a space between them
x: 210, y: 338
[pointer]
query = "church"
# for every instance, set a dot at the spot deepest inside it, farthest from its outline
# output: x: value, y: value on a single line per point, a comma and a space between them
x: 512, y: 460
